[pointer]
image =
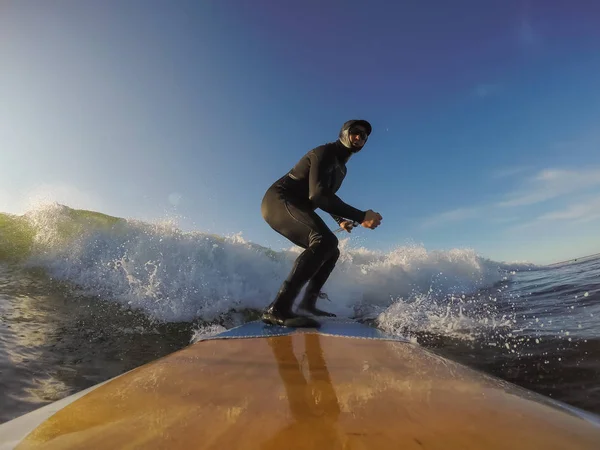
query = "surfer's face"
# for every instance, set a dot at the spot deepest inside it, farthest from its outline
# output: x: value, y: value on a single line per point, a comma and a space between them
x: 357, y: 136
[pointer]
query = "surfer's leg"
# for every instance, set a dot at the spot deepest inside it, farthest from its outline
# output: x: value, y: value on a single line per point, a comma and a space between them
x: 306, y: 229
x: 311, y: 295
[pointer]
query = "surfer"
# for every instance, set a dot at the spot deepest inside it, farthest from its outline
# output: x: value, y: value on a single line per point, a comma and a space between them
x: 289, y: 208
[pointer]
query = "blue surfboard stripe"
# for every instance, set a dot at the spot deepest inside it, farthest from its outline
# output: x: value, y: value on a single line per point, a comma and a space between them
x: 335, y: 327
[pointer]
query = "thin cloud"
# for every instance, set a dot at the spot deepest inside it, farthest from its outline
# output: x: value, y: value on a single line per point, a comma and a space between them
x: 504, y: 220
x: 527, y: 35
x: 580, y: 212
x: 589, y: 141
x: 546, y: 185
x: 552, y: 183
x: 508, y: 171
x: 484, y: 90
x: 455, y: 215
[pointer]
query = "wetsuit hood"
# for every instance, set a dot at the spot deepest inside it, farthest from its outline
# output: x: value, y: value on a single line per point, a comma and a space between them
x: 345, y: 138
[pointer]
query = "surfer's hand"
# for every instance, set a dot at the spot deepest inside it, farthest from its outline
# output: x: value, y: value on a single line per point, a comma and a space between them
x: 372, y: 220
x: 347, y: 225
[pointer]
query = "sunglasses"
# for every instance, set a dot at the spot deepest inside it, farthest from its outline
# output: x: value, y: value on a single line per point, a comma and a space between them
x: 358, y: 131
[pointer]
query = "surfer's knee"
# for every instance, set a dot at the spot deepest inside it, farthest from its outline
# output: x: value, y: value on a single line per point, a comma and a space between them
x: 325, y: 245
x: 335, y: 254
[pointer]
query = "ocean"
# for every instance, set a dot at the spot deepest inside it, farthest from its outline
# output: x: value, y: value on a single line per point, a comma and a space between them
x: 85, y: 296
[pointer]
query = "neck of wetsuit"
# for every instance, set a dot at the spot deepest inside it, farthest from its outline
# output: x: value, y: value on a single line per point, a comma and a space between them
x: 344, y: 153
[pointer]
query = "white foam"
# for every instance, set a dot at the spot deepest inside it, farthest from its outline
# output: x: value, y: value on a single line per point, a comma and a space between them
x: 177, y: 276
x: 206, y: 331
x: 461, y: 317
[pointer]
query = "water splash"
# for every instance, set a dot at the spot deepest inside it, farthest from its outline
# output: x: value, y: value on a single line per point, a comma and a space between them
x: 173, y: 275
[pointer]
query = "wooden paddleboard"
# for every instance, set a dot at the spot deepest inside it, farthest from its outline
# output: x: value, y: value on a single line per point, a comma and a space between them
x: 343, y: 386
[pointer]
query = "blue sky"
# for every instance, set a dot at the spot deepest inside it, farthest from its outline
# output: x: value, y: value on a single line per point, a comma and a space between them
x: 485, y: 114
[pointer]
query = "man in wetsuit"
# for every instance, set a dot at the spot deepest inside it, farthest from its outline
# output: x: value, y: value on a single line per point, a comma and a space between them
x: 289, y: 208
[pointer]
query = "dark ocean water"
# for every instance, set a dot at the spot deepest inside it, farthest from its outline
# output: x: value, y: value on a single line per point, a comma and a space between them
x: 553, y: 344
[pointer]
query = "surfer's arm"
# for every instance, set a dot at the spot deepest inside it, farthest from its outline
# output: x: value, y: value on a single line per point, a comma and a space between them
x: 319, y: 193
x: 338, y: 219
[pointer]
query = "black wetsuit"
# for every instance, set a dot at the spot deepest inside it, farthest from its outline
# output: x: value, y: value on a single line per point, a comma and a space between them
x: 289, y: 208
